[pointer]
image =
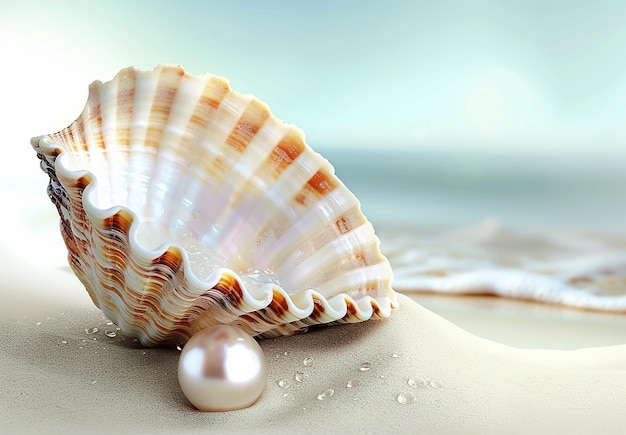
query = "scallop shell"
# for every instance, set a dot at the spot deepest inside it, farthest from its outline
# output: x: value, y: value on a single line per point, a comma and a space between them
x: 185, y: 204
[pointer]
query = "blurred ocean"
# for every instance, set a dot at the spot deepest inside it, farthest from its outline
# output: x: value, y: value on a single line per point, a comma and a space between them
x: 549, y: 228
x: 448, y: 189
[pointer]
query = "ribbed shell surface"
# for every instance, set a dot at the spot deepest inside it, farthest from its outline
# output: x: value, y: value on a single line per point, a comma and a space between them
x: 184, y: 204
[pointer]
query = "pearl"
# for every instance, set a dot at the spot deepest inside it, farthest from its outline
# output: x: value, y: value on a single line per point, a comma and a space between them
x: 222, y: 368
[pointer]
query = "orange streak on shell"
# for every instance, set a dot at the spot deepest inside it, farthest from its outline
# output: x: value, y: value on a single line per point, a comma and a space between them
x: 165, y: 93
x: 248, y: 125
x: 287, y: 150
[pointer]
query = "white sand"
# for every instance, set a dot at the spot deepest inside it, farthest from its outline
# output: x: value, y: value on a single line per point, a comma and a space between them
x: 56, y: 378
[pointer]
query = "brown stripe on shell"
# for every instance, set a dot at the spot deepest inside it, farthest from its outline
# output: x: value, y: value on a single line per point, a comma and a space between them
x: 322, y: 183
x: 376, y: 311
x: 267, y: 317
x: 214, y: 92
x: 246, y: 318
x: 82, y: 144
x: 362, y: 258
x: 248, y: 125
x: 318, y: 186
x: 69, y: 136
x: 351, y: 310
x: 287, y: 150
x: 259, y: 322
x: 278, y: 307
x: 116, y: 229
x: 119, y: 222
x: 318, y: 309
x: 167, y: 87
x: 111, y: 282
x: 344, y: 224
x: 82, y: 182
x: 351, y: 316
x: 231, y: 289
x: 349, y: 220
x: 250, y: 121
x: 125, y: 104
x: 172, y: 259
x: 72, y: 138
x: 94, y: 116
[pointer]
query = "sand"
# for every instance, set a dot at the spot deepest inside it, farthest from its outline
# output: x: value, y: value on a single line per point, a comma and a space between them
x: 57, y: 377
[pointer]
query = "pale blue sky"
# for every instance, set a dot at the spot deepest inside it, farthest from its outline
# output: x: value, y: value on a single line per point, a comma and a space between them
x: 505, y: 76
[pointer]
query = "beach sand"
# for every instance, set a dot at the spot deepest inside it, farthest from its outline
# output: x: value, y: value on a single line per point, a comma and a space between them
x: 57, y: 377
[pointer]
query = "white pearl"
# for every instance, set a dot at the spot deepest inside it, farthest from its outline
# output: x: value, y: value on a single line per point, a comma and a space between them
x: 222, y: 368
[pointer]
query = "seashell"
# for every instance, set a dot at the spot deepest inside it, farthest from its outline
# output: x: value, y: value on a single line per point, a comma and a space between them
x: 185, y: 204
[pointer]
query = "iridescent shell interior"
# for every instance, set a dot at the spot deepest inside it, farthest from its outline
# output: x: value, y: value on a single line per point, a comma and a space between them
x: 185, y: 204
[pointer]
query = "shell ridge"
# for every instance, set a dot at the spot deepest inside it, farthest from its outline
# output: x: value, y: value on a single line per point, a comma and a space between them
x: 290, y: 182
x: 245, y: 175
x: 270, y: 206
x: 141, y: 157
x: 314, y: 220
x: 134, y: 246
x: 309, y: 266
x: 170, y: 166
x: 109, y: 117
x: 160, y: 112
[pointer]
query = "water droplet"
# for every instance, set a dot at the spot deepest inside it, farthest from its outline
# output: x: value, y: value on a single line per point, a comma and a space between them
x: 300, y: 376
x: 110, y: 334
x: 395, y: 355
x: 179, y: 348
x: 416, y: 383
x: 39, y: 323
x: 64, y: 341
x: 286, y: 353
x: 353, y: 383
x: 406, y: 398
x: 284, y: 383
x: 143, y: 353
x: 288, y: 396
x: 308, y: 362
x: 117, y: 328
x: 91, y: 330
x: 109, y: 323
x: 326, y: 394
x: 184, y: 233
x: 365, y: 366
x: 94, y: 381
x: 435, y: 383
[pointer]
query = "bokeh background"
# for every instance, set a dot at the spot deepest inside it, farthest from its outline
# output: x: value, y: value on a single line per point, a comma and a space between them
x: 432, y: 112
x: 509, y: 76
